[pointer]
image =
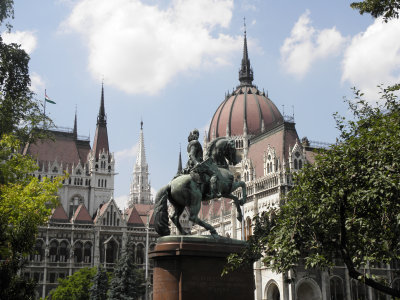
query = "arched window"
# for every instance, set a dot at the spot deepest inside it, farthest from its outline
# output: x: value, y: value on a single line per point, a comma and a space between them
x: 78, y: 252
x: 38, y: 253
x: 87, y: 254
x: 300, y: 164
x: 111, y: 249
x: 140, y: 254
x: 248, y: 229
x: 336, y: 287
x: 295, y: 164
x: 53, y: 251
x: 64, y: 251
x: 358, y: 290
x: 105, y: 182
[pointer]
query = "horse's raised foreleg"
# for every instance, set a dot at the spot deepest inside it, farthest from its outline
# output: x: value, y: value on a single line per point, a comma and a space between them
x: 175, y: 218
x: 237, y: 204
x: 194, y: 211
x: 241, y: 184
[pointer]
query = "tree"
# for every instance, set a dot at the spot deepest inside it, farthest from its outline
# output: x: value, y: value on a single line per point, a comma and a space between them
x: 25, y: 204
x: 74, y: 287
x: 99, y: 289
x: 389, y: 9
x: 128, y: 280
x: 345, y: 206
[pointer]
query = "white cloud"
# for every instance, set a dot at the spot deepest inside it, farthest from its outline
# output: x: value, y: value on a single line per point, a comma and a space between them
x: 373, y: 58
x: 126, y: 154
x: 307, y: 45
x: 122, y: 201
x: 37, y: 83
x: 26, y: 39
x: 140, y: 48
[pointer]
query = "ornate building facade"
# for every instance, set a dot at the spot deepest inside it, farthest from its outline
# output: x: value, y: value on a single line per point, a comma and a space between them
x: 271, y: 153
x: 88, y: 228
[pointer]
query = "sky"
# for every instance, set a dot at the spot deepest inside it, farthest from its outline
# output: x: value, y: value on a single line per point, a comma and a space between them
x: 170, y: 63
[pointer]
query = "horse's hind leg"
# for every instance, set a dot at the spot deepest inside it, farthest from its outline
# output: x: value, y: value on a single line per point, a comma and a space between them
x: 175, y: 218
x: 237, y: 204
x: 194, y: 211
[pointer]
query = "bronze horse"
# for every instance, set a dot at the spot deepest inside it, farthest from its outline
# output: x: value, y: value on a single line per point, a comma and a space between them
x: 183, y: 191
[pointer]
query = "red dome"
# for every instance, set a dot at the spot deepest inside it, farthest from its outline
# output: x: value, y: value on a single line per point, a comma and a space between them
x: 245, y: 107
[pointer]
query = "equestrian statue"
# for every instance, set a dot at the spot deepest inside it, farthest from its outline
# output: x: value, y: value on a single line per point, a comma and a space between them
x: 201, y: 180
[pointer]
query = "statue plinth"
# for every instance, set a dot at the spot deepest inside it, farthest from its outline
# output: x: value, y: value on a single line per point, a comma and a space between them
x: 190, y: 267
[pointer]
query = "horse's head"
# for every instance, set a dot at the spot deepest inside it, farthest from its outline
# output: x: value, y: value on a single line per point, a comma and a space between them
x: 230, y: 152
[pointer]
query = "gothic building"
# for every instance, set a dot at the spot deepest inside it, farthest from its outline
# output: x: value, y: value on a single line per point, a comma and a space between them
x: 87, y: 228
x: 271, y: 153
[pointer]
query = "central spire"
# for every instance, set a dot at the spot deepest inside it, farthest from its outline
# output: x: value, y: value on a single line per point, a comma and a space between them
x: 101, y: 118
x: 246, y: 72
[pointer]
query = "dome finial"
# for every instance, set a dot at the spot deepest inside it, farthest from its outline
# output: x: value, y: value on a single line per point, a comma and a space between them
x: 246, y: 72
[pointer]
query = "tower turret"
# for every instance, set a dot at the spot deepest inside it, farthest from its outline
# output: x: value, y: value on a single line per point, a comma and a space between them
x: 140, y: 191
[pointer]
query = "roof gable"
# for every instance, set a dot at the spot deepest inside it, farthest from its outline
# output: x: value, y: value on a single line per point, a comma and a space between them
x: 134, y: 217
x: 82, y: 215
x: 59, y: 215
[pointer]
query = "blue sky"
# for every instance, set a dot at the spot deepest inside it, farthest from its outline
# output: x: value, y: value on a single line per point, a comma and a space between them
x: 171, y: 62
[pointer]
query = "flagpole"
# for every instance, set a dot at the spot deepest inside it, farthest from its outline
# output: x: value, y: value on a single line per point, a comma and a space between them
x: 44, y: 121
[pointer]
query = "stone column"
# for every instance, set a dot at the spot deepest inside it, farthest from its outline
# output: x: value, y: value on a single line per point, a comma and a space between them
x: 348, y: 283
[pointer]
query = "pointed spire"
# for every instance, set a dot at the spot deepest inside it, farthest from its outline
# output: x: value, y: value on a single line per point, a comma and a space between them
x: 75, y: 132
x: 179, y: 161
x: 140, y: 190
x: 101, y: 118
x: 141, y: 156
x: 246, y: 72
x: 100, y: 142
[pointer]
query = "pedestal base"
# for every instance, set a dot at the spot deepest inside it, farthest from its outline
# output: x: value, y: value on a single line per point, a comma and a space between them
x: 190, y: 267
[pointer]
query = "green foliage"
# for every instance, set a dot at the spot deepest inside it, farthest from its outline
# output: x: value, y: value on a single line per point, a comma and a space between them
x: 128, y: 280
x: 20, y: 114
x: 6, y: 11
x: 99, y: 289
x: 389, y: 9
x: 74, y: 287
x: 346, y: 206
x: 25, y: 204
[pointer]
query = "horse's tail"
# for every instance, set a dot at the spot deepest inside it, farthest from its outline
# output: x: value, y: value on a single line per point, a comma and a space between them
x: 161, y: 211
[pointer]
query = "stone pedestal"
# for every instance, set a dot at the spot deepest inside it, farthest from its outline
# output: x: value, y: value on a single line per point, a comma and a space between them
x: 190, y: 267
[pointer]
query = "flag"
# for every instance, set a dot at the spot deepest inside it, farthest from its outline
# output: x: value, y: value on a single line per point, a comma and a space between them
x: 47, y: 99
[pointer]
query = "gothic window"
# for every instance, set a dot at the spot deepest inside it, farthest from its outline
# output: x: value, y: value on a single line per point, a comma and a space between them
x: 81, y: 181
x: 300, y: 164
x: 140, y: 254
x: 109, y: 169
x: 105, y: 182
x: 55, y: 170
x: 38, y: 253
x: 99, y: 183
x: 78, y: 252
x: 78, y: 172
x: 53, y: 251
x: 336, y: 287
x: 63, y: 251
x: 111, y: 249
x: 69, y: 180
x: 358, y: 290
x: 97, y: 167
x: 87, y: 254
x: 295, y: 164
x: 248, y: 229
